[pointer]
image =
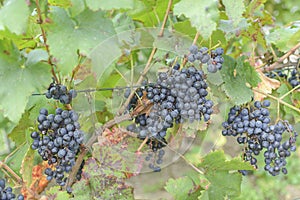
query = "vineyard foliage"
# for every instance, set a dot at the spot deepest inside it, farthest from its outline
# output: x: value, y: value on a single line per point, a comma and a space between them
x: 101, y: 49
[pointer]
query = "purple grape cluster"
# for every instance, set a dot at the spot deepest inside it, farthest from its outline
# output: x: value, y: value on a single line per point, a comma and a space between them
x: 177, y: 96
x: 251, y: 125
x: 214, y: 59
x: 58, y: 141
x: 294, y: 79
x: 61, y: 93
x: 6, y: 193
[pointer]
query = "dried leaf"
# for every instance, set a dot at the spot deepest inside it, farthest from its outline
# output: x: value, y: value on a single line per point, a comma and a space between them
x: 266, y: 85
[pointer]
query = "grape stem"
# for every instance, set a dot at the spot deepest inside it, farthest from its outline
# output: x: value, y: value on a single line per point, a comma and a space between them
x: 181, y: 156
x: 279, y: 100
x: 161, y: 33
x: 10, y: 171
x: 40, y: 22
x: 276, y: 65
x: 143, y: 143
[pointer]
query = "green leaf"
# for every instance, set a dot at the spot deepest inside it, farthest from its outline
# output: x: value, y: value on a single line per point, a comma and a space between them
x: 235, y: 83
x: 248, y: 72
x: 230, y: 29
x: 14, y: 15
x: 281, y: 37
x: 81, y: 190
x: 56, y: 193
x: 224, y: 185
x: 150, y: 13
x: 60, y: 3
x: 202, y: 14
x: 185, y: 28
x: 14, y: 161
x: 180, y: 187
x: 109, y: 5
x: 19, y: 132
x: 103, y: 181
x: 83, y: 33
x: 216, y: 161
x: 27, y: 166
x: 22, y: 78
x: 234, y: 10
x: 77, y: 7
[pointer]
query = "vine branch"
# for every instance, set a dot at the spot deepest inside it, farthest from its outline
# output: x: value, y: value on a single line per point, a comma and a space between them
x: 9, y: 170
x: 275, y: 65
x: 40, y: 22
x: 161, y: 33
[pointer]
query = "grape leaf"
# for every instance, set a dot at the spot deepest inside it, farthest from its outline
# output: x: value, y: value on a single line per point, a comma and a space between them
x: 19, y: 132
x: 281, y: 37
x: 248, y: 72
x: 109, y: 5
x: 55, y: 193
x: 83, y: 33
x: 17, y: 21
x: 99, y: 180
x: 230, y: 29
x: 21, y: 77
x: 60, y: 3
x: 185, y: 28
x: 27, y: 166
x: 77, y: 7
x: 234, y: 10
x: 14, y: 161
x: 216, y: 161
x: 235, y: 83
x: 150, y: 13
x: 180, y: 188
x: 202, y: 14
x: 223, y: 185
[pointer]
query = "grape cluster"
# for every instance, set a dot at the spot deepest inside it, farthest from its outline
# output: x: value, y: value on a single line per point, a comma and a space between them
x: 58, y: 141
x: 294, y: 79
x: 61, y: 93
x: 251, y: 125
x: 177, y: 96
x: 154, y: 163
x: 214, y: 60
x: 6, y: 192
x: 291, y: 75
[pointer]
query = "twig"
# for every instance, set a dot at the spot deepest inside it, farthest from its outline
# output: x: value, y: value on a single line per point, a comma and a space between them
x: 275, y: 65
x: 8, y: 169
x: 292, y: 90
x: 146, y: 69
x: 40, y: 22
x: 143, y: 143
x: 277, y: 99
x: 181, y: 156
x: 161, y: 33
x: 196, y: 38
